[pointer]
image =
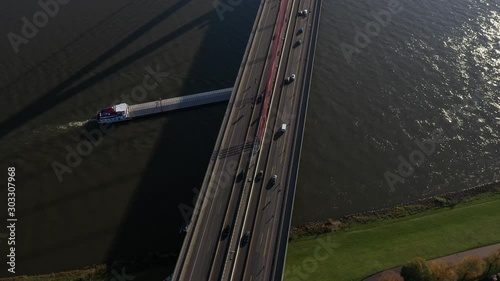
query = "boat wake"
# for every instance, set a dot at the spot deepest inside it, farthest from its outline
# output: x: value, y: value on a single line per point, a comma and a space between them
x: 74, y: 124
x: 50, y: 131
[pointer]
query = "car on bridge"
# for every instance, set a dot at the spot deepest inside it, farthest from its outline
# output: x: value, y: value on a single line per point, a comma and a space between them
x: 246, y: 238
x: 273, y: 180
x: 303, y: 13
x: 259, y: 175
x: 260, y: 97
x: 185, y: 227
x: 300, y: 31
x: 225, y: 232
x: 283, y: 128
x: 290, y: 79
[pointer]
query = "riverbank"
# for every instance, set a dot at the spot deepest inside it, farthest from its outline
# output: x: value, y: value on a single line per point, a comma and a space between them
x: 155, y: 266
x: 366, y: 243
x: 401, y: 210
x: 481, y: 252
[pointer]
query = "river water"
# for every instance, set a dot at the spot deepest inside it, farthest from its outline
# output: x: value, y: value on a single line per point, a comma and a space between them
x: 432, y: 67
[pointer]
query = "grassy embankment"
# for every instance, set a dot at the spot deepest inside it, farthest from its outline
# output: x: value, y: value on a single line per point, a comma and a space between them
x: 363, y: 249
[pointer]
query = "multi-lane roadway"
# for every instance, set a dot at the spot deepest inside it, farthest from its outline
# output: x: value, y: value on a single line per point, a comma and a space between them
x: 239, y: 228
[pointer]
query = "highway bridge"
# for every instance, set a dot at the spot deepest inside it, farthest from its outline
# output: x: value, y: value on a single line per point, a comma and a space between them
x: 239, y: 228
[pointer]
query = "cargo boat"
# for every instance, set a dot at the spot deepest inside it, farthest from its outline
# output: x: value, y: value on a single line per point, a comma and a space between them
x: 115, y: 113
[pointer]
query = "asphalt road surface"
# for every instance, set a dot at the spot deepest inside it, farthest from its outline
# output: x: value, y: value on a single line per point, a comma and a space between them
x: 231, y: 198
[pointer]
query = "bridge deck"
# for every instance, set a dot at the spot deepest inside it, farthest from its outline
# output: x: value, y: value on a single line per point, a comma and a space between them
x: 256, y: 211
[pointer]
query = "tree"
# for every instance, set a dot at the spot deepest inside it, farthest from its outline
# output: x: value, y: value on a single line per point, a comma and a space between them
x: 443, y: 271
x: 471, y: 268
x: 390, y: 275
x: 416, y: 270
x: 493, y: 262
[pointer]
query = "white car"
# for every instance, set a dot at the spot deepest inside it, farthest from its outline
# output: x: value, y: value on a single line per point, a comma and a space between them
x: 283, y: 128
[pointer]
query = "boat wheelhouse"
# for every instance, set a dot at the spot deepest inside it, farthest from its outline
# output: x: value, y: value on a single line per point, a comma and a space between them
x: 112, y: 114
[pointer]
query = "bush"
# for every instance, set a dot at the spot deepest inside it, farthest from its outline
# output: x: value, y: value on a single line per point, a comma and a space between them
x: 493, y: 262
x: 416, y: 270
x: 443, y: 271
x: 471, y: 268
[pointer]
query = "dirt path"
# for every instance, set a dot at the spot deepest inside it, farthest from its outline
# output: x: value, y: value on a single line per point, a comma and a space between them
x: 480, y: 252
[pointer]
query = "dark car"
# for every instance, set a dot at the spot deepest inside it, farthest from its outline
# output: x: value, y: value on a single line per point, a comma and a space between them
x: 259, y: 175
x: 300, y: 31
x: 273, y: 180
x: 246, y: 237
x: 225, y: 232
x: 185, y: 228
x: 260, y: 97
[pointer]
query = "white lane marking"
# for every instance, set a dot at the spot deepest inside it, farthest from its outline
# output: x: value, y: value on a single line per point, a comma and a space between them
x: 223, y: 165
x: 243, y: 193
x: 267, y: 119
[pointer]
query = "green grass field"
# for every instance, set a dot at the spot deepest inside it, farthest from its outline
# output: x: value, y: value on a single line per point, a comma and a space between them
x: 367, y: 249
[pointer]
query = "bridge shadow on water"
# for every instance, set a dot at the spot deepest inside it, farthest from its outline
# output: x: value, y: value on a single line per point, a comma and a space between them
x: 167, y: 191
x: 66, y: 90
